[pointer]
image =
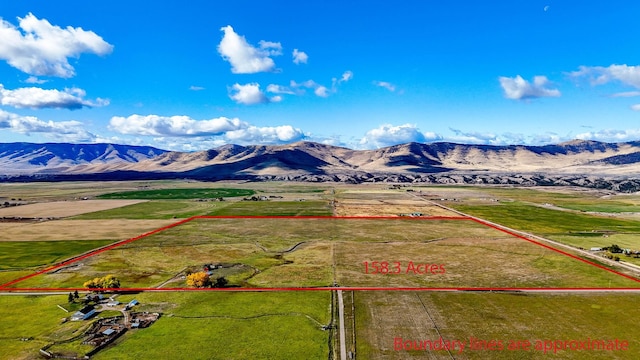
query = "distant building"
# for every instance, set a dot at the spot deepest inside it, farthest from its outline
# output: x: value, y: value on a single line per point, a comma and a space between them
x: 84, y: 313
x: 595, y: 249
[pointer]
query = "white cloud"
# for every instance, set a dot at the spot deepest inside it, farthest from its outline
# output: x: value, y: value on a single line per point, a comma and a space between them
x: 386, y: 85
x: 196, y: 88
x: 271, y: 48
x: 247, y: 94
x: 321, y: 91
x: 39, y: 48
x: 610, y: 135
x: 626, y: 94
x: 37, y: 98
x: 266, y: 135
x: 279, y: 89
x: 299, y: 57
x: 245, y: 58
x: 598, y: 75
x: 35, y: 80
x: 635, y: 107
x: 346, y: 76
x: 388, y: 135
x: 71, y: 131
x: 155, y: 125
x: 518, y: 88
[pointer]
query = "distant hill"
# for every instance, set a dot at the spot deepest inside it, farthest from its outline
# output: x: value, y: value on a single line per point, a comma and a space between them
x: 580, y: 163
x: 30, y: 158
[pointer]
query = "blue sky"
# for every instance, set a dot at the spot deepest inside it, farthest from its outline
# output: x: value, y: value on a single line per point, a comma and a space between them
x: 192, y: 75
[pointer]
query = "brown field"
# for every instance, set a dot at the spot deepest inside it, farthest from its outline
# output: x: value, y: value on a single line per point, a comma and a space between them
x: 355, y: 207
x: 59, y: 209
x: 383, y: 316
x: 78, y: 229
x: 380, y: 202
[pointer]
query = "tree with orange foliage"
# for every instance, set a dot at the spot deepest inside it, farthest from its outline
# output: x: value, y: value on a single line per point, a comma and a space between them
x: 199, y: 279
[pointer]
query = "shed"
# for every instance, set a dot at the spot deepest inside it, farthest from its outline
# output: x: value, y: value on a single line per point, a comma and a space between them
x: 84, y: 313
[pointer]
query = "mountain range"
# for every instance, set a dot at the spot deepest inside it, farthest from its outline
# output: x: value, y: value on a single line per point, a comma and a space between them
x: 582, y: 163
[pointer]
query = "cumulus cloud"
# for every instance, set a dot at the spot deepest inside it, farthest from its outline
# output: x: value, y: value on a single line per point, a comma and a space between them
x: 299, y: 57
x: 388, y: 135
x: 247, y: 94
x: 266, y: 135
x: 245, y: 58
x: 598, y: 75
x: 250, y: 94
x: 62, y: 130
x: 635, y: 107
x: 518, y: 88
x: 387, y: 85
x: 38, y: 48
x: 37, y: 98
x: 178, y: 126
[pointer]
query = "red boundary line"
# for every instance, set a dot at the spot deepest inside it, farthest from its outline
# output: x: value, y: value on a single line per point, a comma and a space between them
x: 3, y: 287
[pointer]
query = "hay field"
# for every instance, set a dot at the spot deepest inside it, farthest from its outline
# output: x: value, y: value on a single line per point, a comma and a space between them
x: 60, y: 209
x: 78, y: 229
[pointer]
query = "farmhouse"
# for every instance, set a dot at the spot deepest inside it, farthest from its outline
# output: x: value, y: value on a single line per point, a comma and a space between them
x: 84, y: 313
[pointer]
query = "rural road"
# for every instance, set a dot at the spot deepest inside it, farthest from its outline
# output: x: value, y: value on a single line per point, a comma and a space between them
x: 343, y: 346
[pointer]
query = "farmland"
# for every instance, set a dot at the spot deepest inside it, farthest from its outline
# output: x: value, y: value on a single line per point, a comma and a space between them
x: 289, y: 239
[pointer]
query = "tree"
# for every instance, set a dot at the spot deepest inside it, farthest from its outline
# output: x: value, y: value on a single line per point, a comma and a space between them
x: 76, y: 295
x: 107, y: 282
x: 614, y: 248
x: 199, y: 280
x: 110, y: 282
x: 220, y: 282
x: 70, y: 298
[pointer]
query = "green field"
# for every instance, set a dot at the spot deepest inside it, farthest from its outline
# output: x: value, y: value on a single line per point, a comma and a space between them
x: 36, y: 318
x: 15, y: 255
x: 203, y: 325
x: 274, y: 208
x: 284, y: 325
x: 544, y: 221
x: 178, y: 194
x: 156, y: 209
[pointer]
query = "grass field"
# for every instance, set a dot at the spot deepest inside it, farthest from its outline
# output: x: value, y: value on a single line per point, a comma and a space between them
x: 15, y: 255
x: 178, y: 194
x: 36, y: 318
x: 208, y: 326
x: 543, y: 221
x: 286, y: 325
x: 274, y: 208
x: 157, y: 209
x: 383, y: 316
